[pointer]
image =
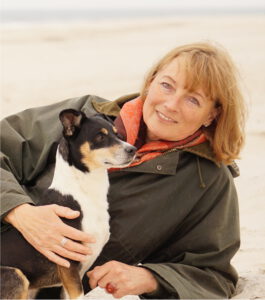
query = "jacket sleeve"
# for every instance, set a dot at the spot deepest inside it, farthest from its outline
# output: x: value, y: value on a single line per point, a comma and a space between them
x: 199, y: 264
x: 26, y: 140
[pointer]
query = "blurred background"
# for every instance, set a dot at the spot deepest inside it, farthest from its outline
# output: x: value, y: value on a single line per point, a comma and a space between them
x: 57, y: 49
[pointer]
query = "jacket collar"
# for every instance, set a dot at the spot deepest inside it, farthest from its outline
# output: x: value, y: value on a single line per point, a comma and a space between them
x: 112, y: 108
x: 163, y: 164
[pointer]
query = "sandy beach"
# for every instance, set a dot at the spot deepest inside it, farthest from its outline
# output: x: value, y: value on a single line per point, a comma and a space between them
x: 46, y: 63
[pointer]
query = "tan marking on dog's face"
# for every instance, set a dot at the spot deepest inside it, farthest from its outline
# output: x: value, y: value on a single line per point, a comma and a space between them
x: 94, y: 159
x: 104, y: 131
x: 114, y: 129
x: 87, y: 155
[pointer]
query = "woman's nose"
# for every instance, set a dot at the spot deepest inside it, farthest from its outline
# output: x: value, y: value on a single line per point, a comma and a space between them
x: 172, y: 103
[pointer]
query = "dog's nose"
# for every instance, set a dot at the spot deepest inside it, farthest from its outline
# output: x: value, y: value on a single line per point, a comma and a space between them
x: 130, y: 149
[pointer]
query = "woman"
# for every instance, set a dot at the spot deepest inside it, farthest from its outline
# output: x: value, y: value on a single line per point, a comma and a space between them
x: 174, y: 212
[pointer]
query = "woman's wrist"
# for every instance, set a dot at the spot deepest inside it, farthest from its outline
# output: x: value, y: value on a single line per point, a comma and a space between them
x: 151, y: 284
x: 11, y: 216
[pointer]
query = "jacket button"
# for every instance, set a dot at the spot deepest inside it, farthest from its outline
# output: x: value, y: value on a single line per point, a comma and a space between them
x: 159, y: 167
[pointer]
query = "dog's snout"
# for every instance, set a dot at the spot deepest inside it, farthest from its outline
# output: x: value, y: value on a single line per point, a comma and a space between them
x: 130, y: 150
x: 124, y: 154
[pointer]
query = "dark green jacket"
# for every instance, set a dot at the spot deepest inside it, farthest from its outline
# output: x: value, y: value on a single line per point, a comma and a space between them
x: 177, y: 214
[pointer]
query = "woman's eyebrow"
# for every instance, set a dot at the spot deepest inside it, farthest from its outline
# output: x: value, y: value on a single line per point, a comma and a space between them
x: 170, y: 78
x: 199, y: 94
x: 195, y: 93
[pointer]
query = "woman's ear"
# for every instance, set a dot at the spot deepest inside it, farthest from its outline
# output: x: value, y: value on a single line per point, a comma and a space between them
x: 212, y: 116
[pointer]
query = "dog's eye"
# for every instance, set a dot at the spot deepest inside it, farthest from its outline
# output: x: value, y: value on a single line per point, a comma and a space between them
x: 100, y: 137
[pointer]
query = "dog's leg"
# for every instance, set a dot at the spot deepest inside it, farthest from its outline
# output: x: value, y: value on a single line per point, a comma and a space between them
x: 71, y: 281
x: 14, y: 284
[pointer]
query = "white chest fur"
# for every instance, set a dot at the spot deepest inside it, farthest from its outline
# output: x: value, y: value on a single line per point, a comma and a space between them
x: 90, y: 191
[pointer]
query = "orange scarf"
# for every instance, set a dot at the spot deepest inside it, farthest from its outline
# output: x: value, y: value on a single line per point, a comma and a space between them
x: 130, y: 125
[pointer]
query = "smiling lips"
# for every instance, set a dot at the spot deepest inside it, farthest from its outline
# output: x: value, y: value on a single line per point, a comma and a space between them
x: 165, y: 118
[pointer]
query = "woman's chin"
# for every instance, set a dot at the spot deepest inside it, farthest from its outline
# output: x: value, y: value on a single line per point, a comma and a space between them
x: 152, y: 136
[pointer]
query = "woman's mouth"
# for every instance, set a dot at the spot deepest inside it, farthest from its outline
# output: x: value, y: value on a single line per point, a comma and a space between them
x: 165, y: 118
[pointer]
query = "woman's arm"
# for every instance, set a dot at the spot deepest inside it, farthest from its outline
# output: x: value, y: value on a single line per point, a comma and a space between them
x: 198, y: 263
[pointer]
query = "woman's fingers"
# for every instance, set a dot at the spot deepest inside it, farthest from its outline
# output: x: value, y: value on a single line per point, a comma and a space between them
x: 44, y: 230
x: 69, y: 231
x: 52, y: 256
x: 77, y: 247
x: 97, y: 274
x: 75, y: 234
x: 55, y: 258
x: 69, y: 254
x: 121, y: 279
x: 65, y: 212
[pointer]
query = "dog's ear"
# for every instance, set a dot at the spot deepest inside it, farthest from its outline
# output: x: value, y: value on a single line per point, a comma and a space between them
x: 71, y: 119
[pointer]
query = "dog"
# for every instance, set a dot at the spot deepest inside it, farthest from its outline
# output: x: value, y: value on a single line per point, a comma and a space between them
x: 88, y: 147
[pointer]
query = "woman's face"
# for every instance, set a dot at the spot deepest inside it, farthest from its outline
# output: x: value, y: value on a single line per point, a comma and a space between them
x: 170, y: 111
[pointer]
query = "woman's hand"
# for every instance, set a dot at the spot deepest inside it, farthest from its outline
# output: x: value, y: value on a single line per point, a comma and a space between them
x: 42, y: 227
x: 121, y: 279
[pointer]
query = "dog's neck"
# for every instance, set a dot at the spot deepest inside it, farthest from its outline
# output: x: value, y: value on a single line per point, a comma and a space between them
x: 68, y: 180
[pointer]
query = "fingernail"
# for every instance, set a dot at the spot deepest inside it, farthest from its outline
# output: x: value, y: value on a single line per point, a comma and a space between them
x: 67, y: 265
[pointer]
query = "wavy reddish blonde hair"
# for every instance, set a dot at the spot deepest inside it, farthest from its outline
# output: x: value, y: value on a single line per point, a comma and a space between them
x: 210, y: 68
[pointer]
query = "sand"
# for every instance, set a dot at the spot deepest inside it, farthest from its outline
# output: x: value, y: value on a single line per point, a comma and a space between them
x: 46, y: 63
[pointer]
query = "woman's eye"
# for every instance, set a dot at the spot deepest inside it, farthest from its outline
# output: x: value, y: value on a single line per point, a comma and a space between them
x: 193, y: 101
x: 166, y: 85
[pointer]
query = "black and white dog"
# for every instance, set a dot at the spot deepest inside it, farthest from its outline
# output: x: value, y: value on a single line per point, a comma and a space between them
x: 89, y: 147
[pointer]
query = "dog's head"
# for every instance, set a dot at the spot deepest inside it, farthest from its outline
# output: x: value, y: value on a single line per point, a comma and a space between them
x: 90, y: 143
